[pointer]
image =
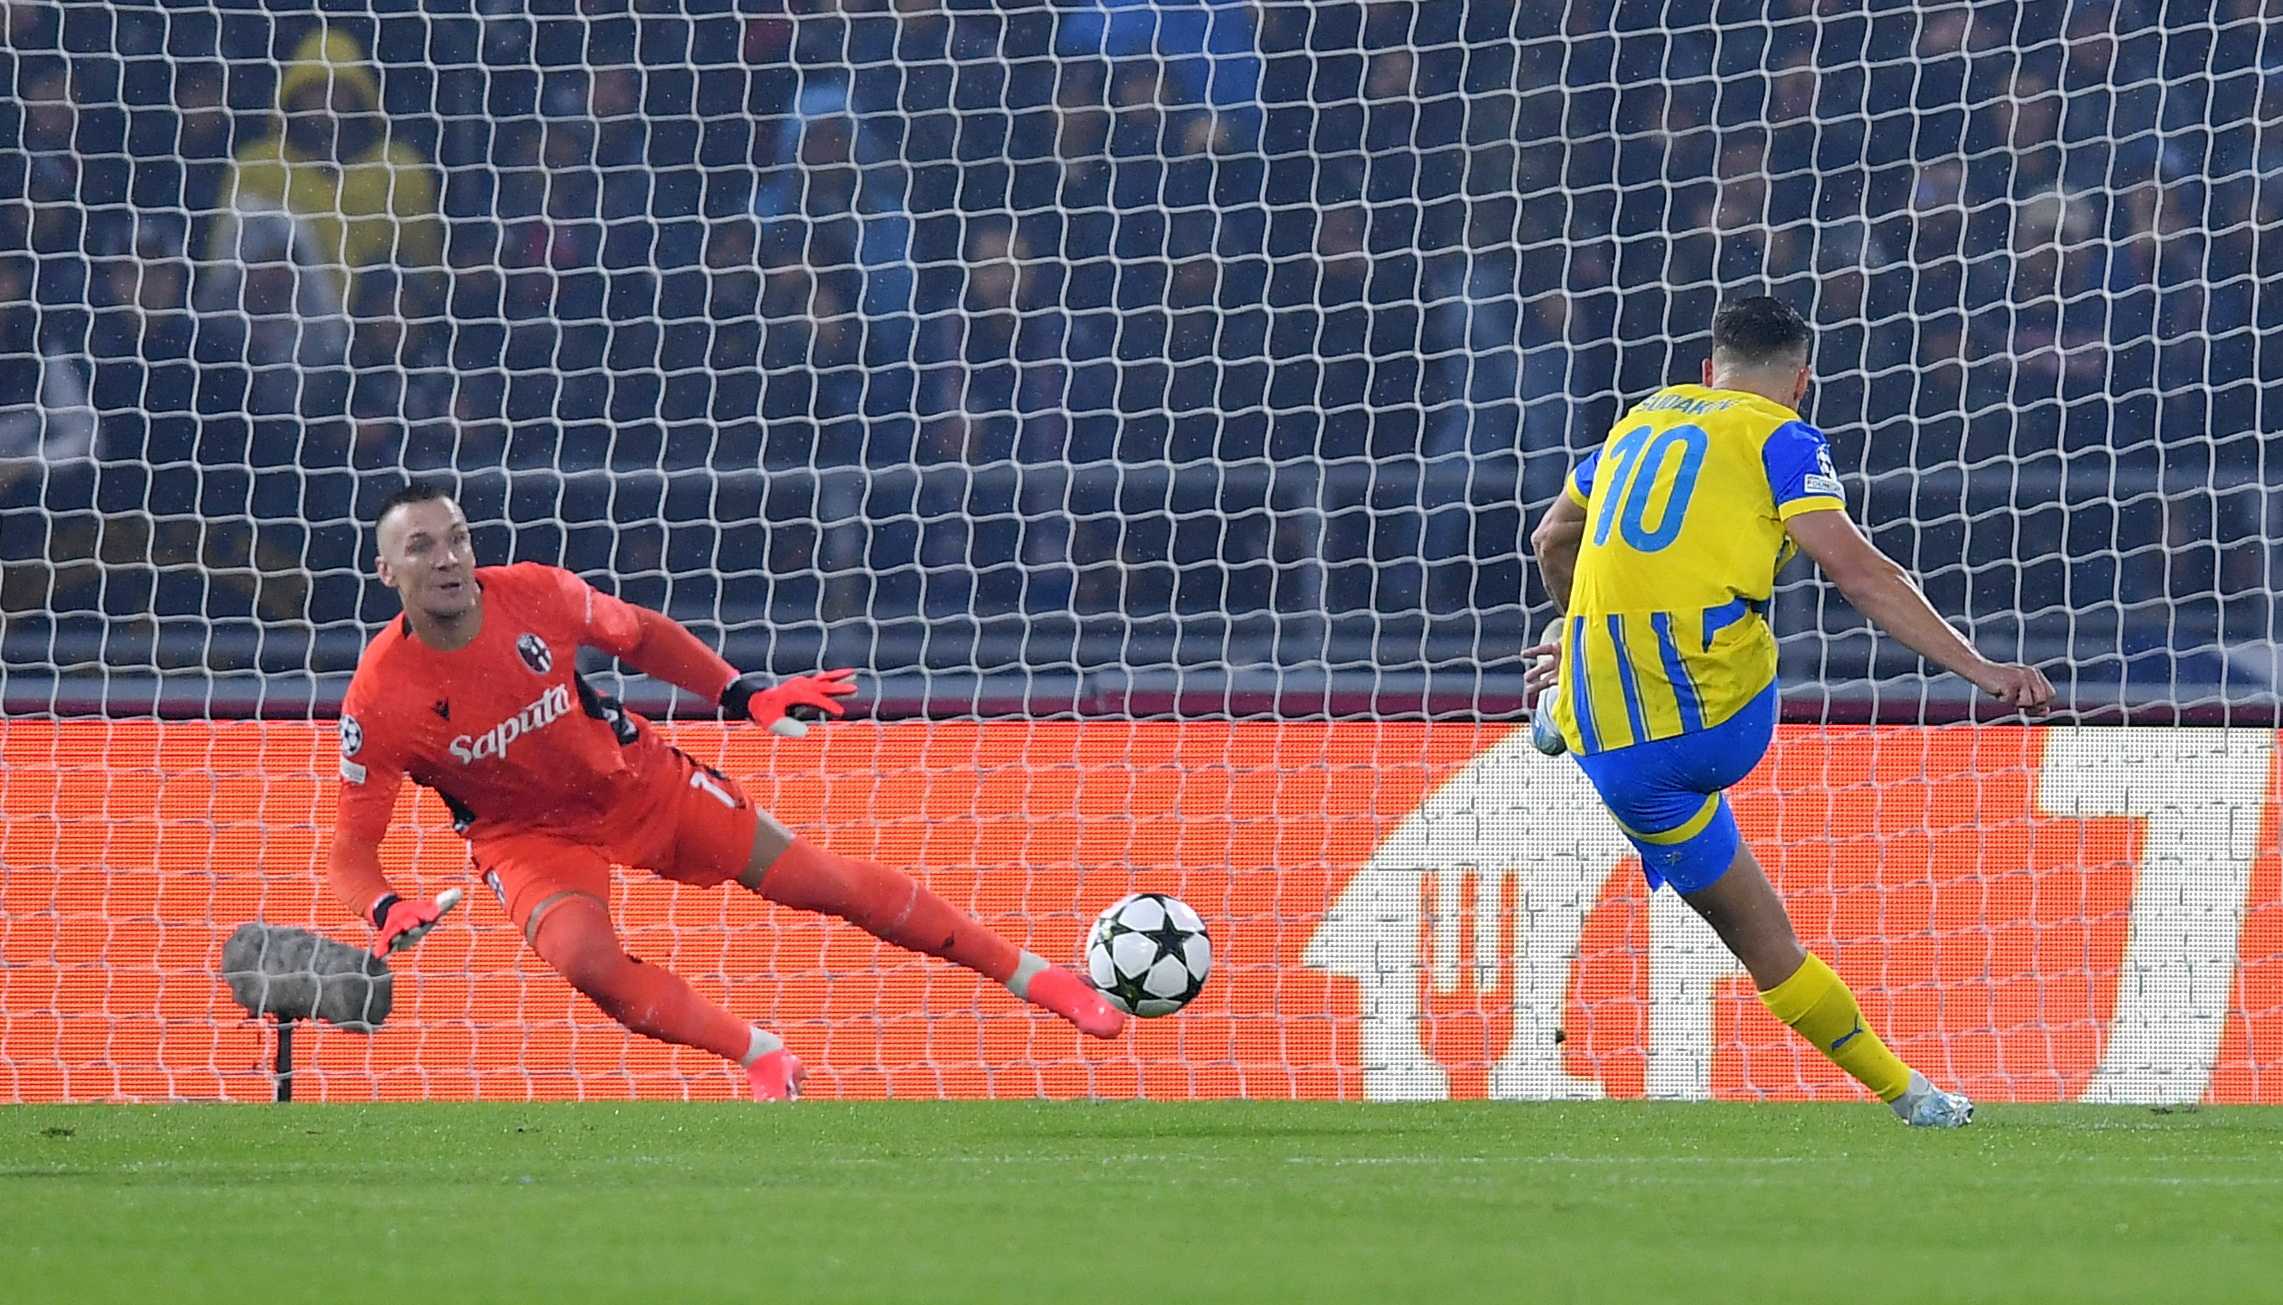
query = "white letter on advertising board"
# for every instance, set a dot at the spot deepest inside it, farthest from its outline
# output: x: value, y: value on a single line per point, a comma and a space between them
x: 1687, y: 964
x: 2202, y: 794
x: 1508, y: 813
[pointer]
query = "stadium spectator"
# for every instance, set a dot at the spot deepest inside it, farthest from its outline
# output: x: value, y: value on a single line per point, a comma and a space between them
x: 203, y: 135
x: 399, y: 378
x: 472, y: 385
x: 62, y: 207
x: 59, y: 212
x: 2110, y: 109
x: 833, y: 192
x: 47, y: 419
x: 328, y: 194
x: 27, y: 24
x: 1332, y: 328
x: 178, y: 139
x: 566, y: 235
x: 1078, y: 247
x: 1550, y: 376
x: 526, y: 239
x: 614, y: 99
x: 731, y: 378
x: 992, y: 392
x: 985, y: 355
x: 1204, y: 49
x: 144, y: 384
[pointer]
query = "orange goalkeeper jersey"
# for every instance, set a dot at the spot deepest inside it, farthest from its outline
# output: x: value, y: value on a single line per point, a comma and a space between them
x: 503, y: 729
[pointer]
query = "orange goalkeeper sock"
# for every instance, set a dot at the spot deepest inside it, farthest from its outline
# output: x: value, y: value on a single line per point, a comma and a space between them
x: 575, y: 936
x: 890, y: 906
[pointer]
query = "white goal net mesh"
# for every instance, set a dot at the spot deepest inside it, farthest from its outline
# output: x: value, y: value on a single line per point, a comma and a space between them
x: 1152, y: 400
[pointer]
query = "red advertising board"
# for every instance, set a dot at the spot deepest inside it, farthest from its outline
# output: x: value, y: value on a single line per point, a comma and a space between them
x: 1399, y: 911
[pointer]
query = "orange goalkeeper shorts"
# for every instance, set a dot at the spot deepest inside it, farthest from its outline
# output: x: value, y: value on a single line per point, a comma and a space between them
x: 679, y: 820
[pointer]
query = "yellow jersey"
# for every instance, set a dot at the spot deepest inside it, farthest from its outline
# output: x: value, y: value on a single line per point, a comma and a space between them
x: 1685, y: 506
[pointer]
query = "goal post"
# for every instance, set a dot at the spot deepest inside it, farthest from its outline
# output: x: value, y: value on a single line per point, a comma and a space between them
x: 1151, y: 400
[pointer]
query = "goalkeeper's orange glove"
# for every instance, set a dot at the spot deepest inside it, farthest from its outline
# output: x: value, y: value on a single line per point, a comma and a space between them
x: 403, y: 923
x: 773, y: 708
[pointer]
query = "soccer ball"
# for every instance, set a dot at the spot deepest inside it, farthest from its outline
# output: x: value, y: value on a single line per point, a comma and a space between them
x: 1148, y: 953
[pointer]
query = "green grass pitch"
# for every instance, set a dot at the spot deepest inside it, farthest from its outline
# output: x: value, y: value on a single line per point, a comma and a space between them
x: 1160, y: 1203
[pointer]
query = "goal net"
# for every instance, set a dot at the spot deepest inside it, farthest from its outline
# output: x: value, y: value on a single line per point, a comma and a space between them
x: 1152, y: 401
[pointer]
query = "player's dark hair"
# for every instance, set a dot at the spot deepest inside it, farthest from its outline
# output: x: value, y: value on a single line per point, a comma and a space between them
x: 414, y: 491
x: 1760, y: 331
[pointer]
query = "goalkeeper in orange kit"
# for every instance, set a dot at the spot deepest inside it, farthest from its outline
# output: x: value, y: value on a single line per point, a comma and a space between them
x: 473, y: 692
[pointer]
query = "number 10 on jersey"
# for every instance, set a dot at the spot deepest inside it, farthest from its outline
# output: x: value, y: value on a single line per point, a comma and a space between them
x: 1636, y: 462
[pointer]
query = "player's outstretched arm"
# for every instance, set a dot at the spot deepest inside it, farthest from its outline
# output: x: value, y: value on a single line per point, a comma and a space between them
x: 1883, y: 591
x: 1555, y: 543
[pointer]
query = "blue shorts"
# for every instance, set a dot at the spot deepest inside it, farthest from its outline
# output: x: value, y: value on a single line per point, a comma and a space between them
x: 1667, y: 794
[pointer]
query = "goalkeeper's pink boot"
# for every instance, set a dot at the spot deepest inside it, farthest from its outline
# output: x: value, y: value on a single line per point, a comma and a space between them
x: 777, y: 1076
x: 1074, y: 999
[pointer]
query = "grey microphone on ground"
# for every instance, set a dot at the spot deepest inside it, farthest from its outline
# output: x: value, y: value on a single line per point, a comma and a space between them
x: 295, y: 974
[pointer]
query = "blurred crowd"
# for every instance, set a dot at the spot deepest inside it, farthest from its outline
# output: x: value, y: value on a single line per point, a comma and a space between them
x: 899, y: 316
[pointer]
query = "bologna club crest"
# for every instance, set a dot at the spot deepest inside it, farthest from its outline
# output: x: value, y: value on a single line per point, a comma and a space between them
x: 535, y: 653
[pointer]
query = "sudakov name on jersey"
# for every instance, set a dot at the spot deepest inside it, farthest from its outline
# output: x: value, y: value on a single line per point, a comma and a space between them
x: 551, y: 706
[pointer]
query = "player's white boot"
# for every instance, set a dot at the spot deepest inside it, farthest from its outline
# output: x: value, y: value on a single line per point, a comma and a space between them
x: 1545, y: 735
x: 1927, y: 1106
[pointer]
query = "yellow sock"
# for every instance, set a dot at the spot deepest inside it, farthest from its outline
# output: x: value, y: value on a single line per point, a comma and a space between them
x: 1821, y: 1008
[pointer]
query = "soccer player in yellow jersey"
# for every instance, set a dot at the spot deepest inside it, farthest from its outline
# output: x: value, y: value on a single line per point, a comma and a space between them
x: 1661, y: 556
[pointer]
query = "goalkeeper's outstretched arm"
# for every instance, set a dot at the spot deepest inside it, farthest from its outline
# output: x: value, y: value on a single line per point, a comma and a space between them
x: 663, y: 648
x: 1881, y: 590
x: 353, y: 872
